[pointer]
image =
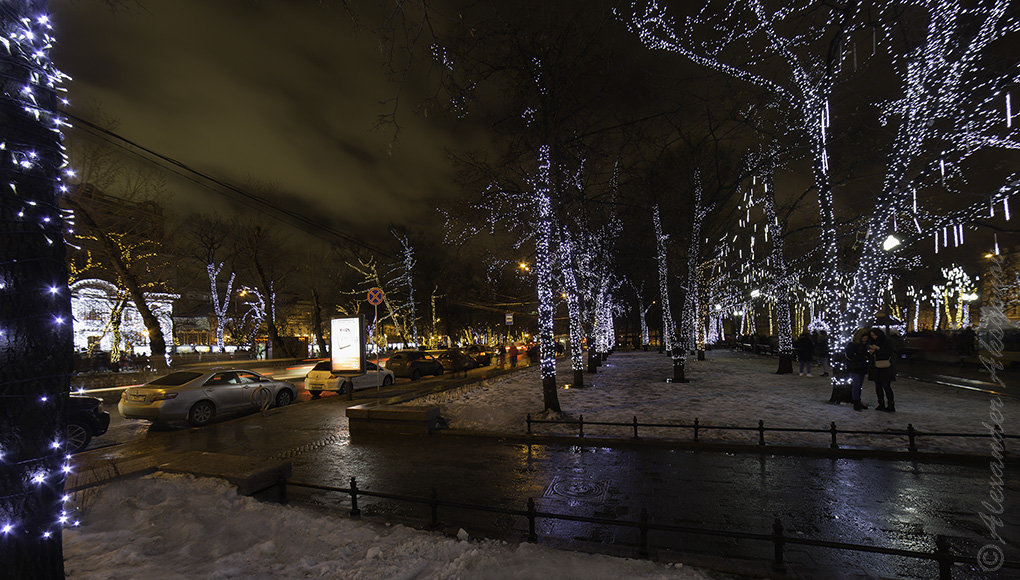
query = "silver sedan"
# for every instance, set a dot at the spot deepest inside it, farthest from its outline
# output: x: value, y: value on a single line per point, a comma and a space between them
x: 199, y: 396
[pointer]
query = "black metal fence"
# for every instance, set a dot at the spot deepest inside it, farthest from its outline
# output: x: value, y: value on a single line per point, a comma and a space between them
x: 943, y: 554
x: 910, y: 433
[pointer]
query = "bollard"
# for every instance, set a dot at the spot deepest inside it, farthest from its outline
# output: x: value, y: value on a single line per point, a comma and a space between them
x: 761, y: 432
x: 643, y: 550
x: 910, y: 435
x: 635, y: 427
x: 944, y: 557
x: 529, y: 423
x: 531, y: 521
x: 580, y: 425
x: 777, y: 543
x: 435, y: 509
x: 695, y: 429
x: 832, y: 429
x: 355, y: 512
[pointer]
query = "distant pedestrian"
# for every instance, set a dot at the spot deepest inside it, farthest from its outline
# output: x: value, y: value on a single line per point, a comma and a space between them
x: 501, y: 355
x: 857, y: 354
x: 882, y: 371
x: 805, y: 348
x: 513, y: 355
x: 822, y: 352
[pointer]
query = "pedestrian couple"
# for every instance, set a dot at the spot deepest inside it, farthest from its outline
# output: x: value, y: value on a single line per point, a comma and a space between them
x: 870, y: 354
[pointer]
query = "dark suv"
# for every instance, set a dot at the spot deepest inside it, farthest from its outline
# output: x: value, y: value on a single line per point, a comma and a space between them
x: 85, y: 419
x: 413, y: 364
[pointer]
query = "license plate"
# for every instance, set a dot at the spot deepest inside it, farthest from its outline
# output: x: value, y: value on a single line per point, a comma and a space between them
x: 136, y: 397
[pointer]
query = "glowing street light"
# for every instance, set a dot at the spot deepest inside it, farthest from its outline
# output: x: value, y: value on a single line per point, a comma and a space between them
x: 890, y: 242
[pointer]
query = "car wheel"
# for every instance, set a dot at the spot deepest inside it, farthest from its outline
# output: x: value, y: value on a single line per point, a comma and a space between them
x: 315, y: 394
x: 440, y: 371
x: 78, y: 436
x: 284, y: 397
x: 201, y: 413
x: 415, y: 375
x: 387, y: 381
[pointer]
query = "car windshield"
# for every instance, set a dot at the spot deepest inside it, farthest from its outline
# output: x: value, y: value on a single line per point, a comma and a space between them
x: 323, y: 366
x: 175, y: 379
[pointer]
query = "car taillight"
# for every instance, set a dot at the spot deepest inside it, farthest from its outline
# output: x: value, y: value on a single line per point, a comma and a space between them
x: 162, y: 396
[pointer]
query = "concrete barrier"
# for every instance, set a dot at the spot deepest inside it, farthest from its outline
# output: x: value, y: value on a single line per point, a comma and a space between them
x: 374, y: 419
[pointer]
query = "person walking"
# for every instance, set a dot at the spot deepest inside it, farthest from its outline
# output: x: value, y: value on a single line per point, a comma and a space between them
x: 805, y: 348
x: 822, y: 352
x: 513, y: 355
x: 501, y: 355
x: 857, y: 359
x: 881, y: 369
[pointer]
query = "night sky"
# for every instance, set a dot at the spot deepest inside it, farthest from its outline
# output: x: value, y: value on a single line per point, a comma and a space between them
x: 281, y: 99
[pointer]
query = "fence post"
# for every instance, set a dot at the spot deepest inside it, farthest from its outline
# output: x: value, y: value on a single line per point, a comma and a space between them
x: 580, y: 425
x: 695, y: 429
x: 777, y: 542
x: 635, y: 427
x: 643, y: 550
x: 435, y: 509
x: 832, y: 429
x: 531, y: 521
x: 943, y: 557
x: 910, y: 435
x: 529, y: 423
x: 761, y: 432
x: 354, y: 498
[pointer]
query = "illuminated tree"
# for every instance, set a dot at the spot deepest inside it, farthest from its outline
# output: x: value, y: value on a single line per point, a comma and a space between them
x: 35, y: 307
x: 675, y: 350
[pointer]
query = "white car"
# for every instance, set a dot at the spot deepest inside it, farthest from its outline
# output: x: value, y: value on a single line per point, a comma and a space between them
x: 322, y: 378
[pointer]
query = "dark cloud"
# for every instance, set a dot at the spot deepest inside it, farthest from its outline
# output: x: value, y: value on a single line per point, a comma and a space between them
x: 285, y: 94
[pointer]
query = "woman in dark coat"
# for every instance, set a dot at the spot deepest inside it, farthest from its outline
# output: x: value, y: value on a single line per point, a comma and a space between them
x: 882, y: 371
x: 805, y: 348
x: 857, y: 362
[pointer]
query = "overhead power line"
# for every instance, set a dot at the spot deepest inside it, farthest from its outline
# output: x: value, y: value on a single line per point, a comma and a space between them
x: 227, y: 189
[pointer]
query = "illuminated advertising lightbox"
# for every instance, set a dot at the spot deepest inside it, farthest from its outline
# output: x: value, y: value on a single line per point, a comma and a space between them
x: 347, y: 345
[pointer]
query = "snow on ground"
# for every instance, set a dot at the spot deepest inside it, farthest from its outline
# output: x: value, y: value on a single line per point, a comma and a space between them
x: 167, y: 526
x: 728, y: 389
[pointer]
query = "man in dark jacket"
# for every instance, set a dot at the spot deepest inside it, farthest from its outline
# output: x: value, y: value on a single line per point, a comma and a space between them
x: 856, y: 352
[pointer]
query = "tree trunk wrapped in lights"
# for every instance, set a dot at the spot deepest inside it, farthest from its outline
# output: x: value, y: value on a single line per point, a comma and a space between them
x: 219, y: 306
x: 543, y: 274
x: 668, y: 329
x: 35, y: 305
x: 780, y: 274
x: 573, y: 309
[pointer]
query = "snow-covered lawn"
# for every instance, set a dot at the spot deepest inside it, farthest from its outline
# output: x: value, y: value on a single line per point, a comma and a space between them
x: 727, y: 389
x: 167, y: 526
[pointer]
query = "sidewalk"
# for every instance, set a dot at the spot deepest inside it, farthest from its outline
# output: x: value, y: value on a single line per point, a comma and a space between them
x: 728, y: 389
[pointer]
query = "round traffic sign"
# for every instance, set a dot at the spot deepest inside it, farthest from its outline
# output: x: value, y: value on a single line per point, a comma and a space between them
x: 375, y: 296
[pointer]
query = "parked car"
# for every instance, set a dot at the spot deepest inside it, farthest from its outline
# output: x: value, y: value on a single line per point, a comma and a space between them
x: 199, y: 396
x: 456, y: 359
x: 322, y: 378
x: 85, y: 419
x: 413, y: 364
x: 481, y: 353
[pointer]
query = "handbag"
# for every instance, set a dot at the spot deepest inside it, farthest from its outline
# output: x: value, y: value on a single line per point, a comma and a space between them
x: 882, y: 364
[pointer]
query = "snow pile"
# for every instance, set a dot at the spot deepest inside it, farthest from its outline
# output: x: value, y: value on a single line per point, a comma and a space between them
x: 727, y: 389
x: 167, y: 526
